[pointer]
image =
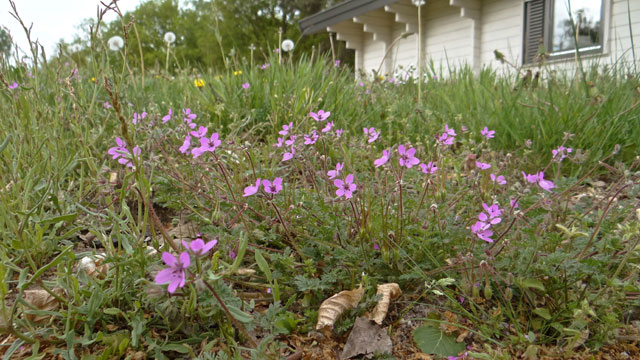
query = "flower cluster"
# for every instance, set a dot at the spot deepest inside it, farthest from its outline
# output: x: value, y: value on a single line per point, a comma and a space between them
x: 482, y: 227
x: 447, y: 137
x: 560, y: 153
x: 122, y: 153
x: 270, y: 187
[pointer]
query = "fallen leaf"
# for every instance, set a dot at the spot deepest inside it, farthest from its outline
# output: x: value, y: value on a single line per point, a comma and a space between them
x: 93, y: 266
x: 331, y: 309
x: 367, y: 338
x: 388, y: 291
x: 41, y: 300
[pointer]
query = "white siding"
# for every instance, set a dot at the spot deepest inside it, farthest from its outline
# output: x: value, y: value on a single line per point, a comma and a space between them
x: 501, y: 29
x: 448, y: 37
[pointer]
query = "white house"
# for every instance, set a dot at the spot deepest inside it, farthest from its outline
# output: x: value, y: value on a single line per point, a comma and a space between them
x: 456, y: 32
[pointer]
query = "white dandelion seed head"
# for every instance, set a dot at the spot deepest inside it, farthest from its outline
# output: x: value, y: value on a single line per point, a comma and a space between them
x: 169, y: 37
x: 115, y: 43
x: 287, y: 45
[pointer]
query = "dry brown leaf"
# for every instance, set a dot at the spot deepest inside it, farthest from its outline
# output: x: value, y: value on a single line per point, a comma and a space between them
x: 331, y: 309
x: 245, y: 272
x: 368, y: 339
x: 93, y: 266
x: 451, y: 318
x: 113, y: 178
x: 388, y: 291
x: 41, y: 300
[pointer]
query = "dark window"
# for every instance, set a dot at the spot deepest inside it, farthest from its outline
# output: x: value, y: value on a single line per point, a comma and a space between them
x: 550, y: 27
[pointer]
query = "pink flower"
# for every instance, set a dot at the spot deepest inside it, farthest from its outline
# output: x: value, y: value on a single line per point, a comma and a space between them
x: 445, y: 139
x: 338, y: 133
x: 202, y: 131
x: 175, y: 274
x: 285, y: 129
x: 198, y: 247
x: 321, y: 115
x: 167, y: 117
x: 289, y: 154
x: 487, y: 133
x: 137, y: 117
x: 122, y: 153
x: 279, y: 143
x: 185, y: 145
x: 264, y: 66
x: 107, y: 105
x: 449, y: 131
x: 250, y: 190
x: 346, y: 187
x: 429, y: 168
x: 531, y: 178
x: 560, y: 153
x: 328, y: 127
x: 386, y: 154
x: 291, y: 141
x: 498, y: 179
x: 206, y: 145
x: 482, y: 166
x: 546, y: 185
x: 514, y: 203
x: 407, y: 157
x: 13, y: 86
x: 272, y: 187
x: 246, y: 85
x: 335, y: 173
x: 372, y: 134
x: 189, y: 117
x: 311, y: 138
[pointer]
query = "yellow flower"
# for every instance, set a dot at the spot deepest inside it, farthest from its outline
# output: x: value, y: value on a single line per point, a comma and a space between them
x: 93, y: 79
x: 237, y: 72
x: 198, y: 83
x: 381, y: 77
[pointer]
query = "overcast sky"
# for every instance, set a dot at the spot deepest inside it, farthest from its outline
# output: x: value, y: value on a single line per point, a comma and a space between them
x: 53, y: 20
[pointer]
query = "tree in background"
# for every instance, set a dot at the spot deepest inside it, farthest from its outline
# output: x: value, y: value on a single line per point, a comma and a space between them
x: 5, y: 43
x: 218, y: 33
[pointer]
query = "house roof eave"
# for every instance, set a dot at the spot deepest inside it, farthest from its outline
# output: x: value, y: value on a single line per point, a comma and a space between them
x: 344, y: 11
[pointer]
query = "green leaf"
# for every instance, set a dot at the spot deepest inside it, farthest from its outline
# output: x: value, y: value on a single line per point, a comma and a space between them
x: 181, y: 348
x: 5, y: 143
x: 239, y: 314
x: 264, y: 267
x: 57, y: 219
x: 532, y: 284
x: 433, y: 341
x: 543, y: 313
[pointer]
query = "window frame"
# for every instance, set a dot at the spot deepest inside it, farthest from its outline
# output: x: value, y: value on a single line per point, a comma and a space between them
x: 547, y: 38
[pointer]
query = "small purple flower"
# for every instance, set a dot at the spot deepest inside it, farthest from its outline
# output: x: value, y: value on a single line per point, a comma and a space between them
x: 291, y: 141
x: 560, y: 153
x: 321, y: 115
x: 487, y: 133
x: 189, y: 117
x: 338, y: 133
x: 185, y: 145
x: 514, y: 203
x: 264, y: 66
x: 289, y: 154
x: 285, y: 129
x: 137, y: 117
x: 346, y: 187
x: 449, y: 131
x: 167, y: 117
x: 202, y: 131
x: 335, y: 173
x: 407, y: 157
x: 429, y: 168
x: 482, y: 166
x: 498, y: 179
x: 531, y: 178
x: 122, y: 153
x: 175, y: 274
x: 376, y: 247
x: 336, y: 63
x: 328, y: 127
x: 198, y: 247
x: 546, y: 185
x: 272, y: 187
x: 445, y: 139
x: 13, y: 86
x: 386, y: 154
x: 311, y: 138
x: 250, y: 190
x: 278, y: 143
x: 246, y: 86
x: 207, y: 145
x: 372, y: 134
x: 107, y: 105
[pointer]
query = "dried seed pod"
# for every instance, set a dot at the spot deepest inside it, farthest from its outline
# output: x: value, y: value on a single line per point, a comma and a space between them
x: 331, y: 309
x: 93, y: 266
x: 388, y: 291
